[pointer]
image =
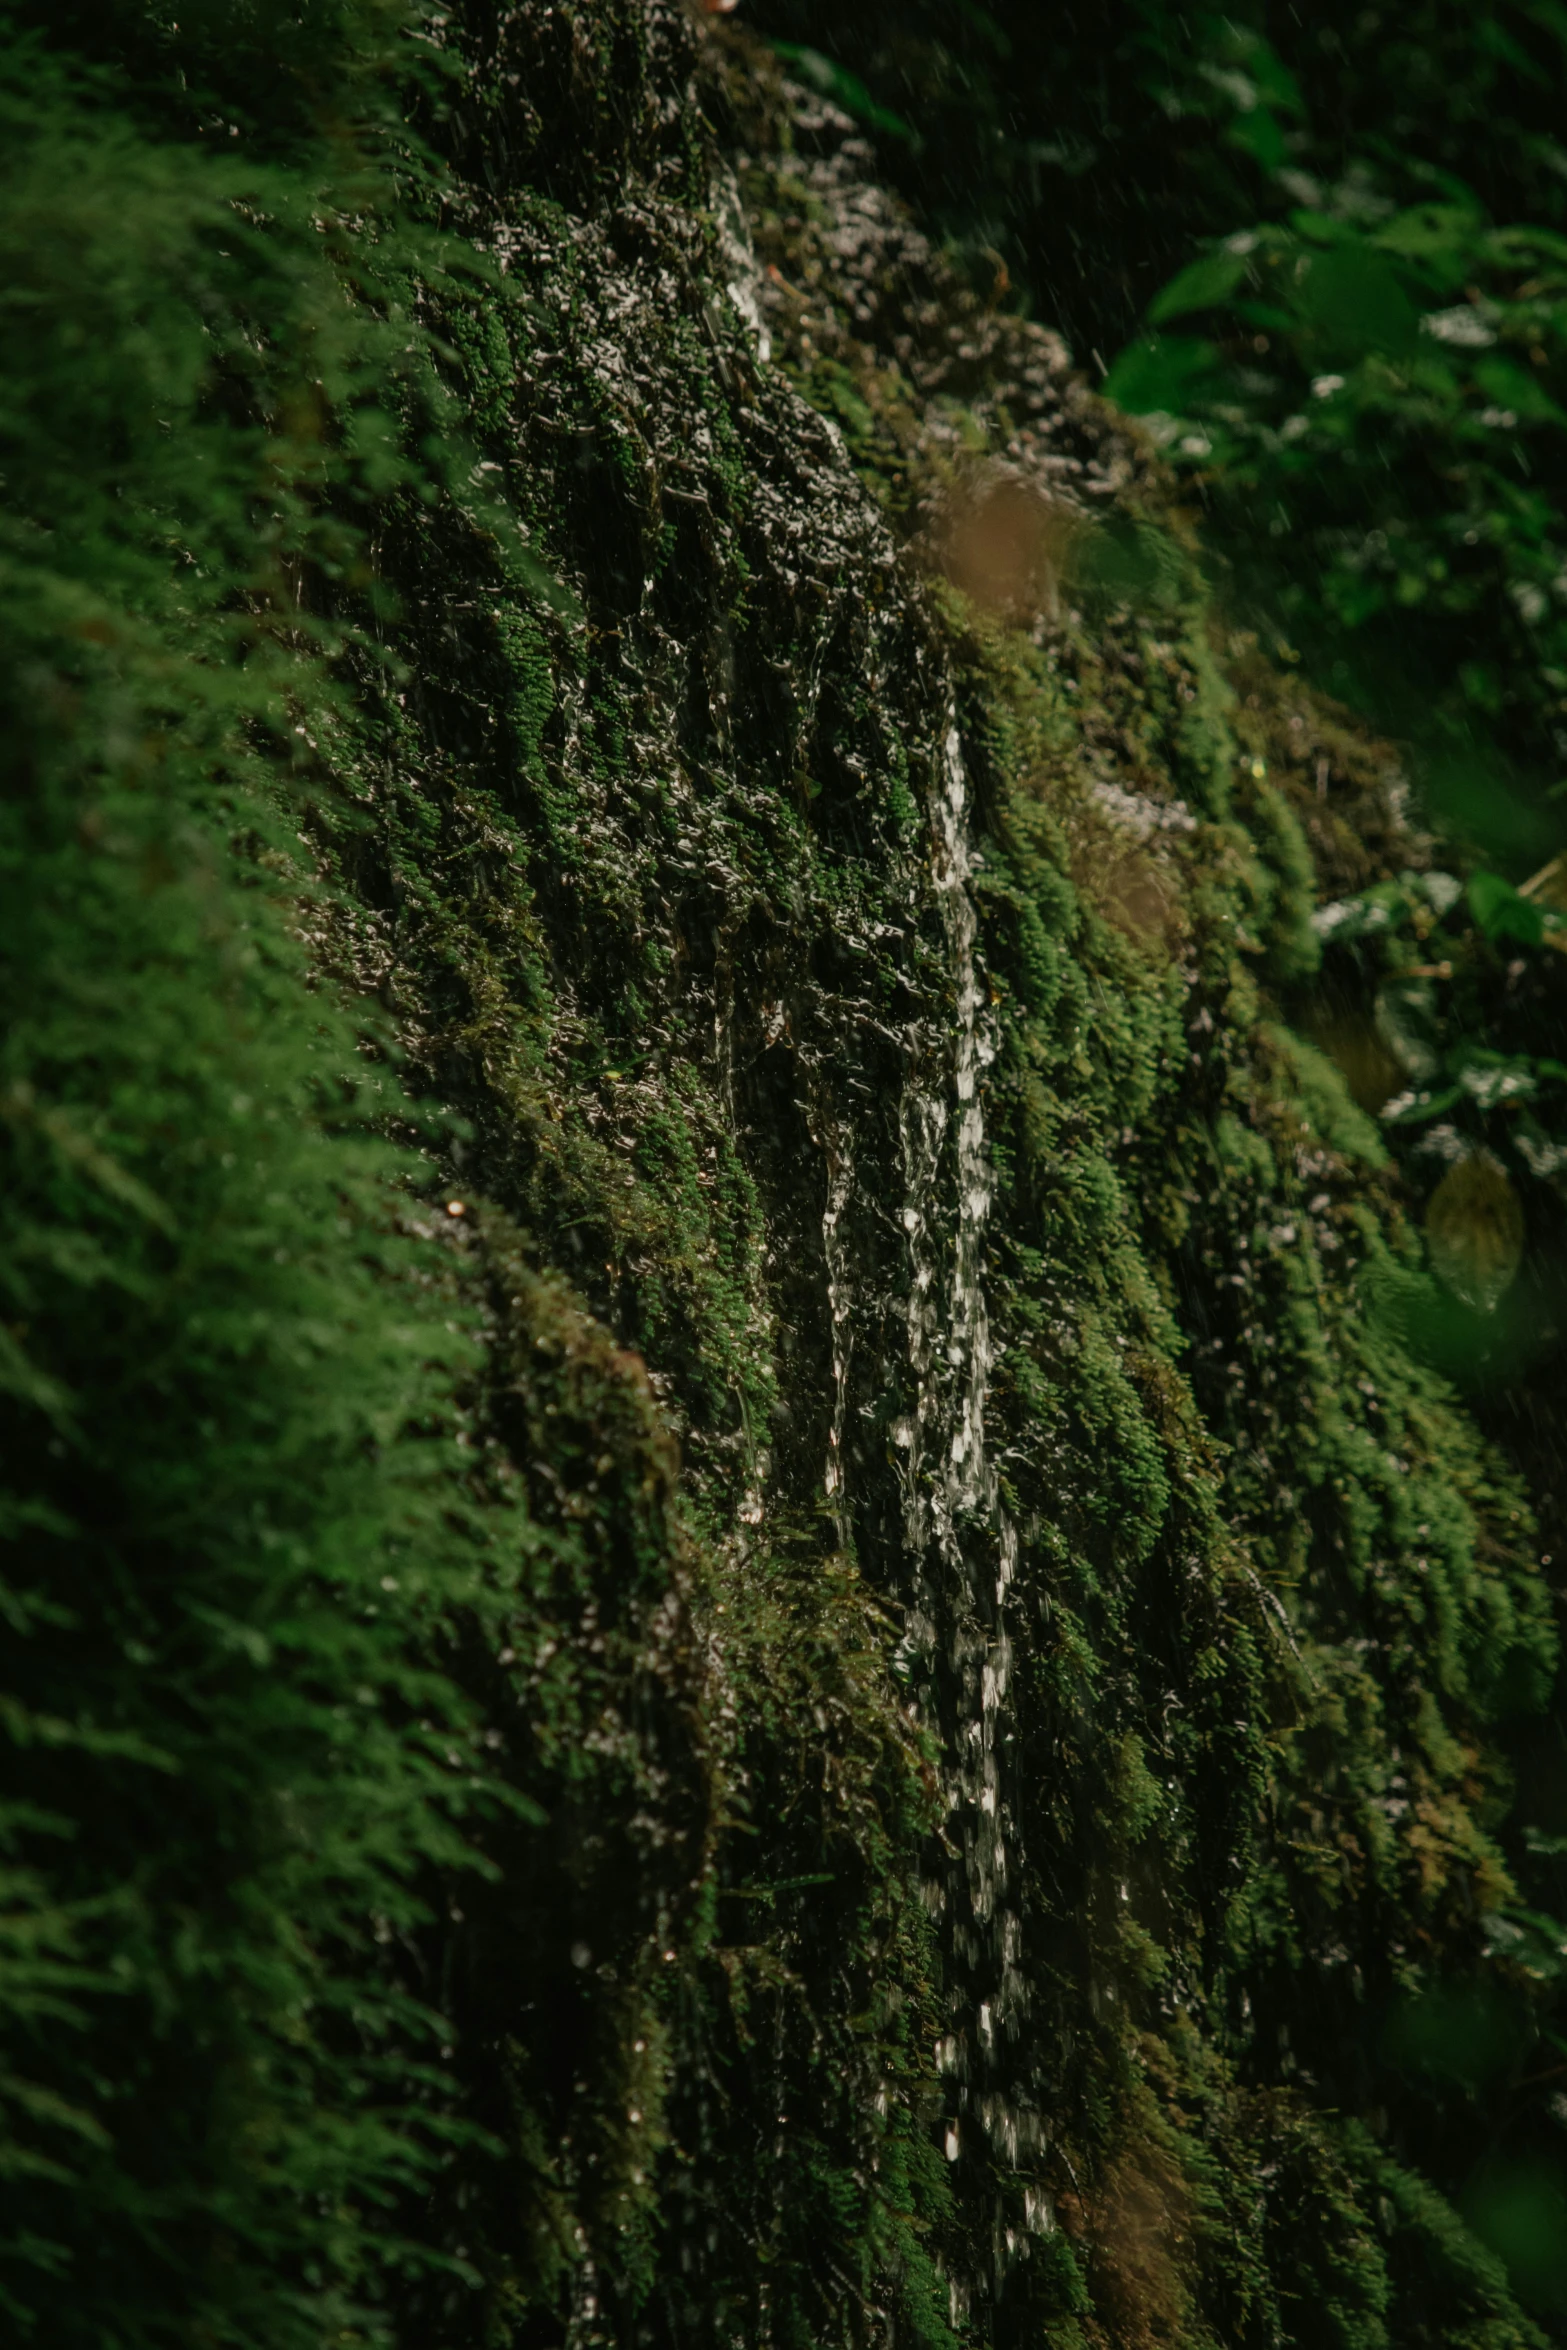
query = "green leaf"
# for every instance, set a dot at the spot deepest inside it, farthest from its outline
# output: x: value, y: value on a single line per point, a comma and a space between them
x: 1202, y: 285
x: 1440, y: 237
x: 1319, y: 227
x: 1158, y: 374
x: 1258, y: 135
x: 1502, y: 912
x: 845, y: 89
x: 1475, y: 1231
x: 1511, y: 386
x: 1414, y: 1108
x: 1352, y: 297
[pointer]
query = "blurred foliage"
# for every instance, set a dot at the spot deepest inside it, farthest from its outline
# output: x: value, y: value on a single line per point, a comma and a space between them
x: 1374, y: 417
x: 1093, y: 150
x: 230, y: 1468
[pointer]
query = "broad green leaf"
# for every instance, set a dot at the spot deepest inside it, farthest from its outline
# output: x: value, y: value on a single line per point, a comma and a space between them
x: 1319, y: 227
x: 1159, y: 373
x: 1258, y: 134
x: 1502, y: 912
x: 845, y: 89
x: 1475, y: 1231
x: 1512, y: 386
x: 1441, y: 237
x: 1354, y: 300
x: 1202, y: 285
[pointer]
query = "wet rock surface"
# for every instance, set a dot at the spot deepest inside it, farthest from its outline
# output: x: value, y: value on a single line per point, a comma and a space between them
x: 999, y: 1673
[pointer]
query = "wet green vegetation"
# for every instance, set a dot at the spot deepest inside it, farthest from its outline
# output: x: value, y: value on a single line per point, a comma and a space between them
x: 746, y: 1599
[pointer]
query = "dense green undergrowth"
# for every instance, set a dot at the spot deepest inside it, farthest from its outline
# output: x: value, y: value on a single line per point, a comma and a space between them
x: 740, y: 1608
x: 235, y: 1516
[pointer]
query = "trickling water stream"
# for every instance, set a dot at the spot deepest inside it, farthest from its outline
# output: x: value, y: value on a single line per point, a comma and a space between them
x: 961, y: 1547
x: 838, y: 1142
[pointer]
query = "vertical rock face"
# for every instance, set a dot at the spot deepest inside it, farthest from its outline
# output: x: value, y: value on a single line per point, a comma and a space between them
x: 983, y: 1639
x: 1083, y: 1612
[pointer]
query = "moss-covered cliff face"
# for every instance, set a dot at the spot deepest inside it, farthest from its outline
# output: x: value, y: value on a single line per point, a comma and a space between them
x: 953, y: 1700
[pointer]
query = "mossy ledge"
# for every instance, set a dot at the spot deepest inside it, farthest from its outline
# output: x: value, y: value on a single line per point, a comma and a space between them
x: 852, y: 1667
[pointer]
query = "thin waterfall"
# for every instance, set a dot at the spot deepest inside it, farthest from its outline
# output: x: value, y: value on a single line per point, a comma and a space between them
x: 838, y: 1142
x: 960, y: 1544
x: 960, y: 1540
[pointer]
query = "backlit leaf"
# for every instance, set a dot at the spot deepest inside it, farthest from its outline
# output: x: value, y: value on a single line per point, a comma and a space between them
x: 1475, y: 1231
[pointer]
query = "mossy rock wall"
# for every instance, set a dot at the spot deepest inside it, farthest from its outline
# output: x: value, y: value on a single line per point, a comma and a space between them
x: 989, y: 1640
